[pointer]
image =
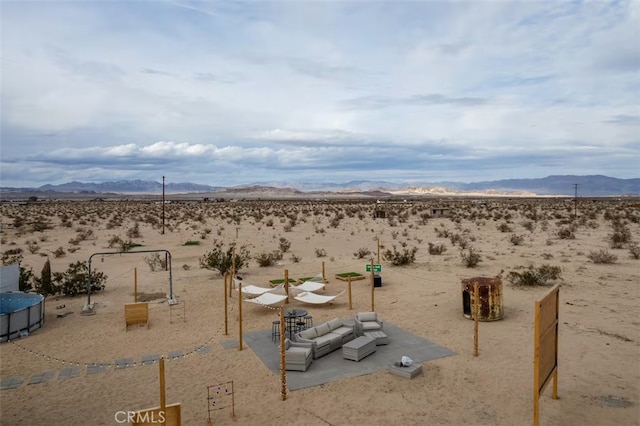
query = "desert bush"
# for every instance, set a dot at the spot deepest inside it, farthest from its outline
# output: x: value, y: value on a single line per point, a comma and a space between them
x: 135, y: 231
x: 566, y: 233
x: 437, y: 248
x: 470, y: 257
x: 529, y: 225
x: 504, y: 227
x: 221, y: 260
x: 155, y: 261
x: 541, y: 276
x: 33, y: 247
x: 516, y: 239
x: 74, y: 280
x: 192, y: 243
x: 621, y: 235
x: 441, y: 232
x: 59, y: 252
x: 399, y: 258
x: 602, y: 256
x: 268, y: 259
x: 320, y: 252
x: 362, y: 252
x: 634, y: 250
x: 186, y: 267
x: 295, y: 259
x: 284, y: 245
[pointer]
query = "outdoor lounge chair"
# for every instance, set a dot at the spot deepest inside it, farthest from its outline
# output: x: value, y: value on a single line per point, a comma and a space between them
x: 367, y: 321
x: 298, y: 356
x: 267, y: 299
x: 316, y: 299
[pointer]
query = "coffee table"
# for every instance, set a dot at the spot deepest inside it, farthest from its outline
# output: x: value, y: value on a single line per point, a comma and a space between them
x: 358, y: 348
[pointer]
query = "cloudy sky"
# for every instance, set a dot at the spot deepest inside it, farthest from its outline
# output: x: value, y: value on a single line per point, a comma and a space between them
x: 226, y: 93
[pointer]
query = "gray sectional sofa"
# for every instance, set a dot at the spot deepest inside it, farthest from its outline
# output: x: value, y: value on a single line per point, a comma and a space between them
x: 326, y: 337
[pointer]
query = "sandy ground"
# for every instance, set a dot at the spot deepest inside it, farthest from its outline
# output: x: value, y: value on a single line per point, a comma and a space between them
x: 599, y: 355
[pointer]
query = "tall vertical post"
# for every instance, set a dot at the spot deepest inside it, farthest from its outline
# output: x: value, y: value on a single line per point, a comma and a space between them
x: 324, y: 277
x: 163, y: 397
x: 162, y: 205
x: 283, y: 365
x: 378, y: 249
x: 575, y: 202
x: 372, y: 291
x: 476, y: 315
x: 226, y: 310
x: 135, y: 285
x: 286, y: 284
x: 349, y: 286
x: 240, y: 316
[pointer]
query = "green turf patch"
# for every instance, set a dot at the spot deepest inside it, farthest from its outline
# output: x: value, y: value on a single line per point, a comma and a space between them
x: 280, y: 281
x: 192, y: 243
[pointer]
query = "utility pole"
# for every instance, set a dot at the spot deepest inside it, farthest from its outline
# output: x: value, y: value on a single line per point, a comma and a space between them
x: 575, y: 201
x: 162, y: 205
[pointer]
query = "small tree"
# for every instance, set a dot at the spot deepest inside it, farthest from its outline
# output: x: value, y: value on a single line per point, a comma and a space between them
x: 45, y: 285
x: 470, y: 257
x: 399, y: 258
x: 221, y: 260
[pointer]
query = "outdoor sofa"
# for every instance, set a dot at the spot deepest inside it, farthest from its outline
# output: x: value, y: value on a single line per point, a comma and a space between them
x: 326, y: 337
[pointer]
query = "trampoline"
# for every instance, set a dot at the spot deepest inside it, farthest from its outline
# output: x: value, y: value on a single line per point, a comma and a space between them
x: 20, y: 314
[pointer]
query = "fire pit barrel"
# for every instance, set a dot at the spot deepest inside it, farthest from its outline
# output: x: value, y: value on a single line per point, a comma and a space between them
x: 490, y: 292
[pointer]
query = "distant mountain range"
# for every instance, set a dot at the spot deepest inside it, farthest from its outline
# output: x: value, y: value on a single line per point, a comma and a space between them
x: 593, y: 186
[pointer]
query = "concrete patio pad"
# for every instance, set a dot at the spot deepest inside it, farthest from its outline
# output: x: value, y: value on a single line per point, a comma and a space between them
x: 332, y: 366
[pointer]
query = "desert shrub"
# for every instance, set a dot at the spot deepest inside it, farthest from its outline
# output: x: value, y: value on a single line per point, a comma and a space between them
x: 441, y: 232
x: 268, y: 259
x: 566, y: 233
x: 634, y: 250
x: 529, y: 225
x: 516, y: 239
x: 284, y: 245
x: 470, y: 257
x: 221, y: 259
x: 155, y: 261
x: 621, y: 235
x: 541, y: 276
x: 192, y: 243
x: 362, y: 253
x: 74, y: 280
x: 602, y: 256
x: 59, y: 252
x: 134, y: 232
x: 320, y: 252
x: 295, y: 259
x: 186, y: 267
x: 400, y: 257
x: 437, y: 248
x: 33, y: 247
x: 504, y: 227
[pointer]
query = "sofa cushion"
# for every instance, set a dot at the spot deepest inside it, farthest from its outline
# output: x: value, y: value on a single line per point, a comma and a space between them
x: 367, y: 316
x: 343, y: 331
x: 335, y: 323
x: 324, y: 339
x: 287, y: 344
x: 309, y: 333
x: 322, y: 329
x: 371, y: 325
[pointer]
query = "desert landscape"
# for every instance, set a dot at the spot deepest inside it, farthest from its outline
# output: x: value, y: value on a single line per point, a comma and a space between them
x: 590, y: 249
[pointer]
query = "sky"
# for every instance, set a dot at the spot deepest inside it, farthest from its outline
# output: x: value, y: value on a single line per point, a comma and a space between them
x: 232, y: 93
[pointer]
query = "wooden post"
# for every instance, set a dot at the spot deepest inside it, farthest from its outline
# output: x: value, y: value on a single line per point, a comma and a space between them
x: 324, y: 278
x: 283, y: 371
x: 349, y: 286
x: 240, y: 316
x: 286, y: 284
x: 372, y: 291
x: 163, y: 396
x: 135, y: 285
x: 476, y: 315
x: 378, y: 249
x: 226, y: 310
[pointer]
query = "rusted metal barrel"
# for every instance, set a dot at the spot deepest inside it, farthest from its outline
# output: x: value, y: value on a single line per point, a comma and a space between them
x: 490, y: 293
